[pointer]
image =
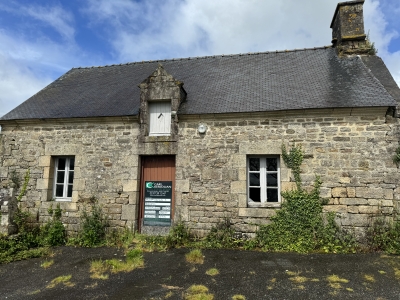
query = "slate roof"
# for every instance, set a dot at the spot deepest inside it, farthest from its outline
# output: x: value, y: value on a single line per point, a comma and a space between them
x: 268, y: 81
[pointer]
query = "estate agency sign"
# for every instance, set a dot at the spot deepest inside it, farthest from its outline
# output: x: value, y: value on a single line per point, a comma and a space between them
x: 157, y: 203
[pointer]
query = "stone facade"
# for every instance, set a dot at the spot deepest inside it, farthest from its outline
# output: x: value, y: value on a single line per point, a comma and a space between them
x: 351, y: 149
x: 106, y: 166
x: 8, y: 207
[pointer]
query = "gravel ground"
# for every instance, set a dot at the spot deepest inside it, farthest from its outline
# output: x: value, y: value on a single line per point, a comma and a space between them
x: 167, y: 275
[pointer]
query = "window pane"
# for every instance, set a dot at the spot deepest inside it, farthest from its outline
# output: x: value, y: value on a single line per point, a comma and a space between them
x: 272, y: 164
x: 254, y: 179
x: 61, y: 163
x: 60, y: 177
x: 272, y: 179
x: 69, y: 193
x: 254, y: 164
x: 59, y: 190
x: 71, y: 163
x: 272, y: 195
x: 71, y: 177
x: 255, y: 194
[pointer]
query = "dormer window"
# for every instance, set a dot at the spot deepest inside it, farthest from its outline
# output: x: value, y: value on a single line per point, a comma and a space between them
x: 160, y: 97
x: 159, y: 118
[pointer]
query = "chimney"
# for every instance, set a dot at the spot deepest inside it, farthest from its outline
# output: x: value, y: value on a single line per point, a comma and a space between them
x: 347, y: 25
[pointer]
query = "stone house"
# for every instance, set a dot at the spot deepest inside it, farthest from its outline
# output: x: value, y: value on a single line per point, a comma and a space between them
x: 199, y: 139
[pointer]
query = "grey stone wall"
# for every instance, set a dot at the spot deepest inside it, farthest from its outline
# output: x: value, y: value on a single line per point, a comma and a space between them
x: 8, y: 207
x: 351, y: 149
x: 106, y: 167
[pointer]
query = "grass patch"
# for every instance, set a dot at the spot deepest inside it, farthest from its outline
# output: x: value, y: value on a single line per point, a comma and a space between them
x: 212, y: 272
x: 272, y: 284
x: 18, y: 254
x: 335, y: 281
x: 396, y: 273
x: 47, y: 264
x: 65, y: 280
x: 150, y: 243
x: 335, y: 278
x: 369, y: 278
x: 298, y: 279
x: 291, y: 273
x: 99, y: 269
x: 195, y: 257
x: 238, y: 297
x: 198, y: 292
x: 117, y: 266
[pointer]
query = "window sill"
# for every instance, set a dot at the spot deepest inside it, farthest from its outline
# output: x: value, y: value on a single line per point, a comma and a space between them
x: 159, y: 134
x: 63, y: 199
x: 256, y: 212
x: 159, y: 138
x: 264, y: 204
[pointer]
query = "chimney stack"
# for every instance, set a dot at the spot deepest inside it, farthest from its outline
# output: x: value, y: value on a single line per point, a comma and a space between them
x: 347, y: 25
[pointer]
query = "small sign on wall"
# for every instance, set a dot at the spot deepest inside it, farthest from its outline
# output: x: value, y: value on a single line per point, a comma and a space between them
x: 157, y: 203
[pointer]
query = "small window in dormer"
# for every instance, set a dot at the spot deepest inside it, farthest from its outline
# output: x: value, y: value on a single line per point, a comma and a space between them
x: 159, y: 118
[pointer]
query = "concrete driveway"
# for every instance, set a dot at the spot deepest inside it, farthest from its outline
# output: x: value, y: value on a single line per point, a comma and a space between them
x: 167, y: 275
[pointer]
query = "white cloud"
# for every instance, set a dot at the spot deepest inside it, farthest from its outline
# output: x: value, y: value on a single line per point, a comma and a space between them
x: 379, y: 33
x: 28, y: 66
x: 42, y: 54
x: 31, y: 56
x: 54, y: 16
x: 17, y: 83
x: 243, y: 26
x: 153, y: 30
x: 205, y: 27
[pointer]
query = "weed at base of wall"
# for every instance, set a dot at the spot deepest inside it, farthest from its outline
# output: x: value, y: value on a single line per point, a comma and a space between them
x: 53, y: 232
x: 384, y: 236
x: 221, y: 236
x: 299, y: 225
x: 93, y: 227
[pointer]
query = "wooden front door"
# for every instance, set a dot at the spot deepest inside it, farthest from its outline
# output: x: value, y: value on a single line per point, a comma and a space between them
x: 157, y: 170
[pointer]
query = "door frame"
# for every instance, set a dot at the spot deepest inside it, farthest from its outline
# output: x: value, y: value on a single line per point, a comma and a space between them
x: 142, y: 187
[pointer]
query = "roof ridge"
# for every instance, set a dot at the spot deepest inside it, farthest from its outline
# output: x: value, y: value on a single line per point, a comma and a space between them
x: 207, y: 56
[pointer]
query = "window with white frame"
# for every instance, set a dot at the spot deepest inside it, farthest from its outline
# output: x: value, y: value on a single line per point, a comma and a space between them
x: 159, y: 118
x: 263, y: 180
x: 63, y: 177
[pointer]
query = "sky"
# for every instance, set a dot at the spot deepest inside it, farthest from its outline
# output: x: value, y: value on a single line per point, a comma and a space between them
x: 42, y: 39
